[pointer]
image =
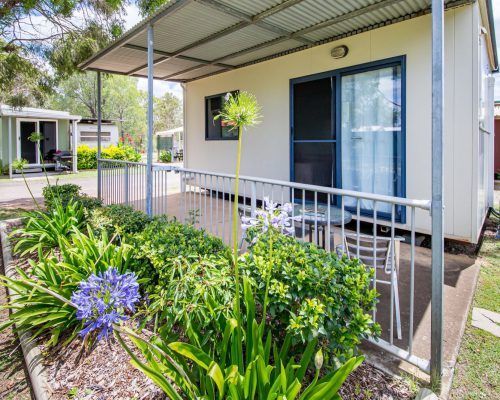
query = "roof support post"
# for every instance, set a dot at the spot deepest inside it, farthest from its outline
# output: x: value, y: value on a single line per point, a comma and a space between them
x: 10, y: 147
x: 437, y: 194
x: 99, y: 123
x: 74, y: 145
x: 149, y: 168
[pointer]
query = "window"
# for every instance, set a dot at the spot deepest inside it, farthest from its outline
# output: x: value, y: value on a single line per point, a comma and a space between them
x: 216, y: 129
x: 348, y: 131
x: 86, y: 136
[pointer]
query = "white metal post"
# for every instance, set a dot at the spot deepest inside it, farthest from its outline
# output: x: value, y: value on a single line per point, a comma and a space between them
x: 437, y: 194
x: 149, y: 168
x: 10, y: 147
x: 74, y: 145
x: 99, y: 122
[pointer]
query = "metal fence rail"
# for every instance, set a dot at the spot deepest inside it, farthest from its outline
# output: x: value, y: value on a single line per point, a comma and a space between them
x: 205, y: 199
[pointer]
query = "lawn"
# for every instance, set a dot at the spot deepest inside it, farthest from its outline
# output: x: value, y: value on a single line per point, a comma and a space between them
x: 477, y: 374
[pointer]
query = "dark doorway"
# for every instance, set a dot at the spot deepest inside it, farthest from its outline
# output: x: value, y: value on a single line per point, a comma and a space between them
x: 49, y: 142
x: 28, y: 148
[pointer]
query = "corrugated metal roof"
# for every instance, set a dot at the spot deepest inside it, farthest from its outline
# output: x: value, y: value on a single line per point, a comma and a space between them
x: 196, y: 38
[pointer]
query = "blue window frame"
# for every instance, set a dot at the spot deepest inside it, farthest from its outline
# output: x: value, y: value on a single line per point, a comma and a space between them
x: 347, y: 130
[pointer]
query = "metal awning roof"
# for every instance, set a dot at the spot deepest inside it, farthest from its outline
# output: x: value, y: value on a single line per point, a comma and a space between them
x: 197, y: 38
x: 30, y: 112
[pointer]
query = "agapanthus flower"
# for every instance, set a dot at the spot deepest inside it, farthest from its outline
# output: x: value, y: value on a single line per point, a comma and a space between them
x: 103, y: 299
x: 272, y: 215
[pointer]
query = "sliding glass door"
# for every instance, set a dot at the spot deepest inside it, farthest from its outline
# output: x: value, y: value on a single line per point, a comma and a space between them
x: 348, y: 131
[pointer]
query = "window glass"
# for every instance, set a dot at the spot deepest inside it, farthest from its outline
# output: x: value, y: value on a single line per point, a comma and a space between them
x: 312, y: 110
x: 216, y: 129
x: 371, y: 132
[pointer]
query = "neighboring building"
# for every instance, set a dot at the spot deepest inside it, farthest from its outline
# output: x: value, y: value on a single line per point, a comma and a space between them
x: 171, y: 139
x: 345, y: 90
x: 497, y: 140
x: 87, y: 132
x: 17, y: 124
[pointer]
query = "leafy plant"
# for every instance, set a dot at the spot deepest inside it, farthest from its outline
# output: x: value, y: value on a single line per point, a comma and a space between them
x: 41, y: 296
x: 266, y: 370
x: 87, y: 156
x: 60, y: 193
x: 118, y: 218
x: 43, y: 230
x: 164, y: 241
x: 192, y: 296
x: 165, y: 156
x: 312, y: 292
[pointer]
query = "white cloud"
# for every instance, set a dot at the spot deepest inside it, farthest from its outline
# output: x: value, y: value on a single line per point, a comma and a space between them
x: 132, y: 16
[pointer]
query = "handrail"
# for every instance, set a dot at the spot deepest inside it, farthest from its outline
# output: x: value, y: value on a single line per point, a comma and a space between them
x: 422, y: 204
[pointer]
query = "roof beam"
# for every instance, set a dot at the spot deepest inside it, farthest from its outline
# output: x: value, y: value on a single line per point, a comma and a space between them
x: 258, y: 18
x: 174, y: 6
x: 165, y: 55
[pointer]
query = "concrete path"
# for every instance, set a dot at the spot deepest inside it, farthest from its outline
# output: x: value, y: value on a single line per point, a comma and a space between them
x: 13, y: 192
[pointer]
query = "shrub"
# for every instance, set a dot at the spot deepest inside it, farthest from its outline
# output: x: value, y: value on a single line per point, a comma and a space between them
x: 118, y: 218
x: 163, y: 242
x: 313, y: 293
x: 87, y: 156
x: 63, y: 193
x: 165, y: 156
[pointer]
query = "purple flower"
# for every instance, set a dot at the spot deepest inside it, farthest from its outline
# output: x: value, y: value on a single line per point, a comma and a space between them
x: 103, y: 299
x: 271, y: 215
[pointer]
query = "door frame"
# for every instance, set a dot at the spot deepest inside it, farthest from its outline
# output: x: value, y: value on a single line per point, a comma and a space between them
x: 37, y: 122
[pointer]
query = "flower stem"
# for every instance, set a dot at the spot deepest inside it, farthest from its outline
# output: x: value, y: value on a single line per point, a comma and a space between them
x: 234, y: 239
x: 29, y: 190
x: 268, y: 279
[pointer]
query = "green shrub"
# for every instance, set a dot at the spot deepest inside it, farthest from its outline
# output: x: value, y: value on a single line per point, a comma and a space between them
x: 118, y: 218
x: 163, y: 242
x: 165, y: 156
x: 313, y: 293
x: 63, y: 193
x: 87, y: 156
x: 88, y: 203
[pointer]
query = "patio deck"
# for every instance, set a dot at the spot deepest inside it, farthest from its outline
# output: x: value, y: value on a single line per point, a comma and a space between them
x: 459, y: 277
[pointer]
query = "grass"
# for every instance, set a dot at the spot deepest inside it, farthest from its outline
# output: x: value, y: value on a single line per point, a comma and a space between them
x: 9, y: 213
x: 477, y: 374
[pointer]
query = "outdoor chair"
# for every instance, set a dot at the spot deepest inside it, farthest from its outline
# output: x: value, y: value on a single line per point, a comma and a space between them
x: 384, y: 271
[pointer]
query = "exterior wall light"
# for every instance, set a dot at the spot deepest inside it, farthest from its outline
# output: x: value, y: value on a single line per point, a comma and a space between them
x: 339, y: 51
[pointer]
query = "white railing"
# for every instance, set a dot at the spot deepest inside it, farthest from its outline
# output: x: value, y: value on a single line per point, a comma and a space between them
x: 205, y: 199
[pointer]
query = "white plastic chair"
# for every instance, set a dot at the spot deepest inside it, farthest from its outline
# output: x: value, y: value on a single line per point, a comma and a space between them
x: 382, y: 262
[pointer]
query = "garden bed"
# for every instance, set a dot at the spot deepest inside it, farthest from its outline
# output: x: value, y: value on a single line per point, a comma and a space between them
x: 189, y: 265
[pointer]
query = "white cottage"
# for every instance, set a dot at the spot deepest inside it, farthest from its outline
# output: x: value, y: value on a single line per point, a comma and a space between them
x: 345, y: 89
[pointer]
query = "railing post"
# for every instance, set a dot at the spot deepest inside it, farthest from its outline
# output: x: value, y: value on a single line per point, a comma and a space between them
x: 125, y: 186
x: 437, y: 240
x: 99, y: 127
x: 253, y: 198
x: 149, y: 168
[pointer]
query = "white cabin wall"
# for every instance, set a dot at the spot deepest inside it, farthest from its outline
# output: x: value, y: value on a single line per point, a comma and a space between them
x: 266, y: 147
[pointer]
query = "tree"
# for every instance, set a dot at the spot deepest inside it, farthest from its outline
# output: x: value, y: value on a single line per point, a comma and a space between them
x: 47, y: 39
x: 167, y: 112
x: 121, y: 101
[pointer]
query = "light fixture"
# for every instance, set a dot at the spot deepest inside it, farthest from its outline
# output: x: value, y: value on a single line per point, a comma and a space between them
x: 339, y: 51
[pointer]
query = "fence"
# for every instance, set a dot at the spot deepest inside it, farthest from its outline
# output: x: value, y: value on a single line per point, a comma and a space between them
x: 368, y: 226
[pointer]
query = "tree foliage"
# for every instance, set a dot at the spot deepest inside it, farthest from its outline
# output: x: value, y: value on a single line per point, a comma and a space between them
x: 45, y: 40
x: 167, y: 112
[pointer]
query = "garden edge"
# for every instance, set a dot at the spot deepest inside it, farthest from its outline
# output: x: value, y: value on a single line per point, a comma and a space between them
x: 31, y: 352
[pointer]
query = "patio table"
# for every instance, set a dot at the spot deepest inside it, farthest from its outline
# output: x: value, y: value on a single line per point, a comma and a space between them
x: 319, y: 217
